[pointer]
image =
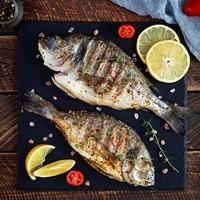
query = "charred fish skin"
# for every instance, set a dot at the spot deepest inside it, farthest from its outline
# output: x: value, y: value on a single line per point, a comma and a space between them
x: 98, y: 72
x: 108, y: 145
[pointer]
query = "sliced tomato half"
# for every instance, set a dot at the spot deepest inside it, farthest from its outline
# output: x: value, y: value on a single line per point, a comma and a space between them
x: 75, y: 178
x: 126, y: 31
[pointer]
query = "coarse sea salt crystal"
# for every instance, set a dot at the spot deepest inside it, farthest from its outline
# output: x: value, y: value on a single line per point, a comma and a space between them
x: 160, y: 97
x: 48, y: 83
x: 134, y: 55
x: 136, y: 115
x: 31, y: 124
x: 87, y: 183
x: 164, y: 171
x: 31, y: 141
x: 162, y: 142
x: 45, y: 139
x: 70, y: 30
x: 55, y: 98
x: 166, y: 126
x: 50, y: 135
x: 72, y: 153
x: 96, y: 31
x: 172, y: 90
x: 99, y: 109
x: 151, y: 139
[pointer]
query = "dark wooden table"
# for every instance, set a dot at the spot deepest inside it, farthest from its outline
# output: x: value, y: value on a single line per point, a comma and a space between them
x: 80, y: 10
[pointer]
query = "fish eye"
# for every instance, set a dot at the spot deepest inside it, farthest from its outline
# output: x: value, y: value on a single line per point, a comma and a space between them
x: 61, y: 43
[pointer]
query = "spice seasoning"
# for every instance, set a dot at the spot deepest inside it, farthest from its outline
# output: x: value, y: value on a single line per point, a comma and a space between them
x: 7, y: 10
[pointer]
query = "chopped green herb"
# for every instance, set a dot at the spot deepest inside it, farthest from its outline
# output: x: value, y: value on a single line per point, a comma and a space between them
x: 89, y: 140
x: 97, y: 136
x: 120, y: 156
x: 153, y: 133
x: 107, y: 132
x: 77, y: 145
x: 132, y: 157
x: 120, y: 58
x: 86, y: 68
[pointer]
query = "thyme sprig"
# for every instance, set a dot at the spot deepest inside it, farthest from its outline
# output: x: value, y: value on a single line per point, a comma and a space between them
x: 153, y: 133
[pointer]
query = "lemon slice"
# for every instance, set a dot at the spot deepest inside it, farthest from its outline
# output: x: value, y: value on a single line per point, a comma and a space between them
x: 36, y: 157
x: 168, y: 61
x: 152, y: 35
x: 55, y: 168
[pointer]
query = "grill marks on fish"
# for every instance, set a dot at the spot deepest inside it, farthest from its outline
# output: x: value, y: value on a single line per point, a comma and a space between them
x: 100, y: 73
x: 104, y: 142
x: 100, y: 69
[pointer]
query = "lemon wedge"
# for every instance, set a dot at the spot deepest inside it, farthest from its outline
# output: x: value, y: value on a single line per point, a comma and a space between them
x: 54, y: 168
x: 152, y: 35
x: 36, y: 157
x: 168, y: 61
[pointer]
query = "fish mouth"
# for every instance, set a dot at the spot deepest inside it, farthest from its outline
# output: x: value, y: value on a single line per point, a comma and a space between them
x: 41, y: 42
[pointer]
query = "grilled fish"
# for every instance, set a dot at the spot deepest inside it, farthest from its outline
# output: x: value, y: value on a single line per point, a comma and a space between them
x: 108, y: 145
x: 100, y: 73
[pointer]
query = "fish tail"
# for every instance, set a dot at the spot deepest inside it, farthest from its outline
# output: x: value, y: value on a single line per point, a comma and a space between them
x: 175, y: 117
x: 36, y: 104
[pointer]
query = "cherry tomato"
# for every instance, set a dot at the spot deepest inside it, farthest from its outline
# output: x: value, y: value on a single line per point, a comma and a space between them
x: 75, y: 178
x: 192, y: 7
x: 126, y: 31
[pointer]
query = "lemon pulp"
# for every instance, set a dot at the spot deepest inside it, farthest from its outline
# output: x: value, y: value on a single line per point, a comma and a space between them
x: 168, y: 61
x: 54, y: 168
x: 36, y: 157
x: 152, y: 35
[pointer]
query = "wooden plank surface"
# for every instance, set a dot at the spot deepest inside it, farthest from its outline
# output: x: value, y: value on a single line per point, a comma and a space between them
x: 8, y: 122
x: 8, y: 67
x: 9, y: 190
x: 78, y: 10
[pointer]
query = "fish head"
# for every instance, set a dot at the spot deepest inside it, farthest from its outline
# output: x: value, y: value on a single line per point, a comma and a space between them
x: 138, y: 168
x: 56, y: 51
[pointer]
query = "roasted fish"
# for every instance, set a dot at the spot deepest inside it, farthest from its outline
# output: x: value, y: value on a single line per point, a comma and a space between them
x: 108, y: 145
x: 100, y: 73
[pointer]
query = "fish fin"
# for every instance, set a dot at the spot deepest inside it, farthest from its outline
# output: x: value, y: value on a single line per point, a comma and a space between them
x: 175, y: 117
x: 36, y: 104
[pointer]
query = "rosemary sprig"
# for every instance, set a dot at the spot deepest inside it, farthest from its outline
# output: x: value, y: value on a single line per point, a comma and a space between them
x: 153, y: 133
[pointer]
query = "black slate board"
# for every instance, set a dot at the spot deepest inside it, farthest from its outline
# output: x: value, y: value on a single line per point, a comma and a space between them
x: 32, y: 74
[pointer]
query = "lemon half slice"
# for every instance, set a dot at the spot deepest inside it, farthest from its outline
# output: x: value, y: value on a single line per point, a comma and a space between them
x: 168, y: 61
x: 152, y: 35
x: 54, y: 168
x: 36, y: 157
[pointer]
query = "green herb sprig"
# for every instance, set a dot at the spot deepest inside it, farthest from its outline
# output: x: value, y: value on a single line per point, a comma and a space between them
x: 153, y: 133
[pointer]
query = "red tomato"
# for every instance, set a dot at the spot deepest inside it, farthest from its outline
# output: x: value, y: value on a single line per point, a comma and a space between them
x: 126, y: 31
x: 192, y: 7
x: 75, y: 178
